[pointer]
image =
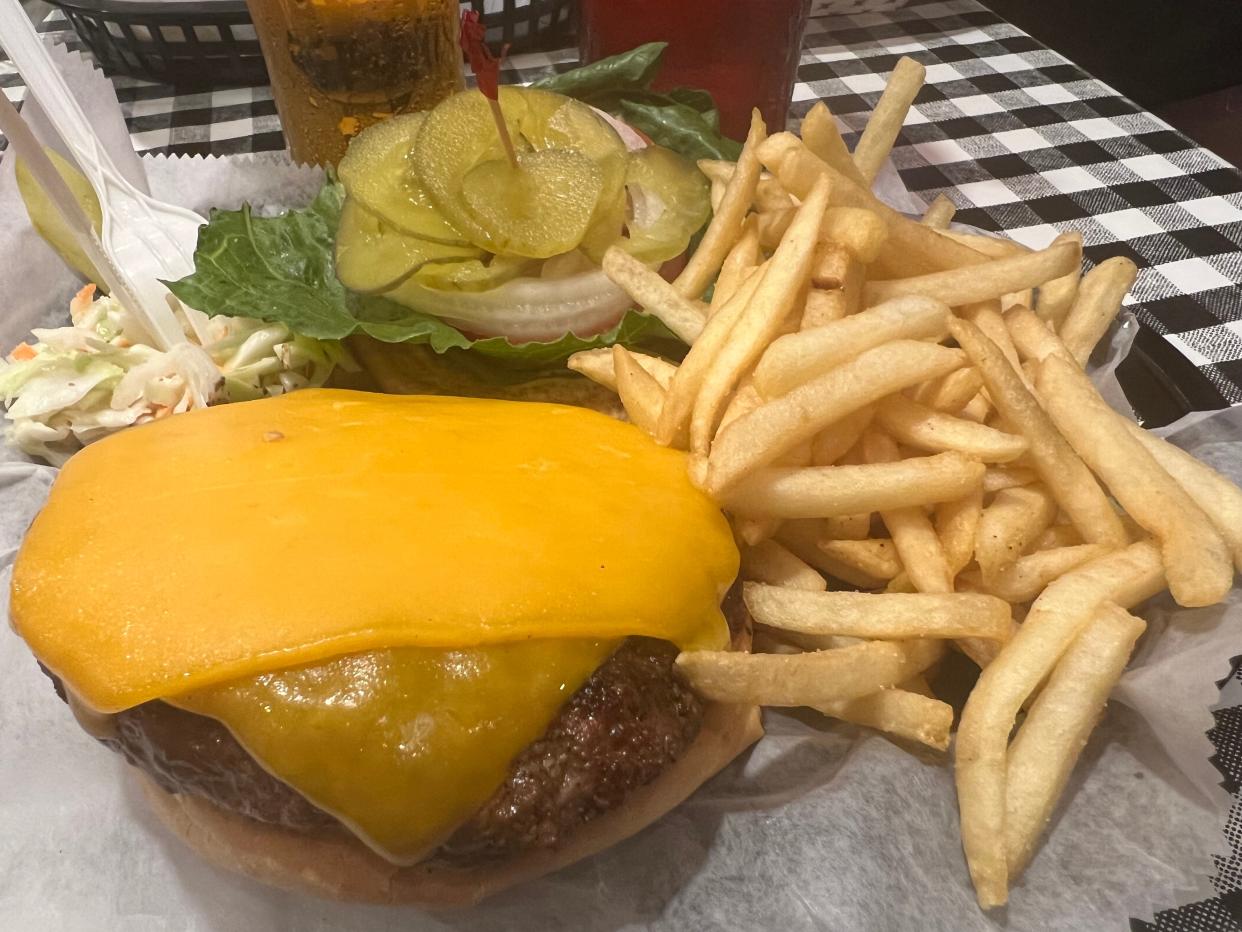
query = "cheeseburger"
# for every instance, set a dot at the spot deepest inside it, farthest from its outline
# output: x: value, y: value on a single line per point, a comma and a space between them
x: 392, y: 649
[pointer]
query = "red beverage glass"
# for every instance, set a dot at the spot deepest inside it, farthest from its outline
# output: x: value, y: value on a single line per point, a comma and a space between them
x: 745, y: 52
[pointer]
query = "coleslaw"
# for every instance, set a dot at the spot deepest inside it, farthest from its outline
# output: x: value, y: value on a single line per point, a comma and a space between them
x: 75, y: 384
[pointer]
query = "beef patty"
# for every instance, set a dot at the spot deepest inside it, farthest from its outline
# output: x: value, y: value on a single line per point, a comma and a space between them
x: 618, y: 732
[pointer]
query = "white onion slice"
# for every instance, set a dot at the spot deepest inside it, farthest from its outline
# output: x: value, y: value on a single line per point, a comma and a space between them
x: 527, y: 310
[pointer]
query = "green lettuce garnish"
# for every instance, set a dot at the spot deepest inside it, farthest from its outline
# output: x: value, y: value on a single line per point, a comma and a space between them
x: 683, y: 119
x: 280, y: 270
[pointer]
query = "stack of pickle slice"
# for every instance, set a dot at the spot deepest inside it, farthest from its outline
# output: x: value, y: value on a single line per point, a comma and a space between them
x: 434, y: 204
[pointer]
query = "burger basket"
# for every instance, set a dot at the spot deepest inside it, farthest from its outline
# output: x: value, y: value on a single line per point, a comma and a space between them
x: 212, y: 43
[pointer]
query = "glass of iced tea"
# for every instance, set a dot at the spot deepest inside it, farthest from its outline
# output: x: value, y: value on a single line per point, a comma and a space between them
x: 745, y: 52
x: 337, y: 66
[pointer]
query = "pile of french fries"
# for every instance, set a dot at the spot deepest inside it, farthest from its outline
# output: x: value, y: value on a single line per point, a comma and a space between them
x: 897, y: 420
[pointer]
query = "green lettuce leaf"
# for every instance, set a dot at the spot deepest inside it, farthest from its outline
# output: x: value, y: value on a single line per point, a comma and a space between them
x: 280, y: 270
x: 683, y: 119
x: 630, y: 71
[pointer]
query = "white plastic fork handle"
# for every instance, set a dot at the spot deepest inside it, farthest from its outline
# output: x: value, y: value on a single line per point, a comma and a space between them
x: 26, y: 147
x: 115, y: 193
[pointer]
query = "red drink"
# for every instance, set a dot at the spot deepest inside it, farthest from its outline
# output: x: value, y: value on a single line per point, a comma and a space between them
x: 745, y: 52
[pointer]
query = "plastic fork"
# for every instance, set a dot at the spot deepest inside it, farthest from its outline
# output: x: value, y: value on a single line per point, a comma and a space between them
x: 146, y: 239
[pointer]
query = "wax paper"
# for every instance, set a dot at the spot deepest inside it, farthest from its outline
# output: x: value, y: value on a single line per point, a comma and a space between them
x: 820, y: 826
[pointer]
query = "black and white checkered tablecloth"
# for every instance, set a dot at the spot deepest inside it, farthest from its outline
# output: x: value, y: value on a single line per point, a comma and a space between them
x: 1021, y: 139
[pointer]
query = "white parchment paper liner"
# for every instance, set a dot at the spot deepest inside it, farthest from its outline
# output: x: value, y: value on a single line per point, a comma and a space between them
x: 821, y: 826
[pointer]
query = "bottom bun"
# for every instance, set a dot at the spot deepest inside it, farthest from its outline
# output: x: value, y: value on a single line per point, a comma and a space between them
x: 343, y: 868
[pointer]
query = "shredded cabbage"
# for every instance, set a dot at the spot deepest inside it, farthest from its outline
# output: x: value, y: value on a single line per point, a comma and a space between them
x: 75, y: 384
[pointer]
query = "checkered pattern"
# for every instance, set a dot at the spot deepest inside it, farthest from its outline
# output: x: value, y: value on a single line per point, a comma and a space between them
x: 1018, y: 137
x: 1024, y: 142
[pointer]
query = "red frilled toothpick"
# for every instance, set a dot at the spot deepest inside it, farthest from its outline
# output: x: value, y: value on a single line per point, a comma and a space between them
x: 486, y: 68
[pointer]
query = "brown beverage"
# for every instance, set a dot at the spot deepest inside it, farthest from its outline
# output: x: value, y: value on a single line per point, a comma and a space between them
x: 337, y: 66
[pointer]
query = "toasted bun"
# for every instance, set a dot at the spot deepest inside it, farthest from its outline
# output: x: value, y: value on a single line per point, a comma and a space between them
x: 343, y: 868
x: 415, y: 369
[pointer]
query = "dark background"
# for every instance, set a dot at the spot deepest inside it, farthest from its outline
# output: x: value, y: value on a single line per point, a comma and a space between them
x: 1179, y: 58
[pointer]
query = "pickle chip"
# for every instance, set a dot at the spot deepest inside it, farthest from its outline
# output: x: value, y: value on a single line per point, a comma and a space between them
x: 472, y: 274
x: 670, y: 201
x: 377, y: 171
x: 538, y: 209
x: 564, y: 183
x: 372, y: 257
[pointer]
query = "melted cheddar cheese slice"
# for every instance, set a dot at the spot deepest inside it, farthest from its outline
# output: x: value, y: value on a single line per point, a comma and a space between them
x: 244, y: 539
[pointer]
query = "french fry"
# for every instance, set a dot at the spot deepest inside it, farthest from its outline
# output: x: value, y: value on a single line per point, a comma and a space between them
x: 987, y: 317
x: 770, y: 195
x: 823, y: 307
x: 803, y: 538
x: 939, y: 213
x: 1098, y: 301
x: 956, y: 524
x: 922, y: 557
x: 847, y: 528
x: 1056, y: 297
x: 774, y: 299
x: 596, y: 365
x: 900, y: 584
x: 886, y: 120
x: 683, y: 316
x: 772, y: 224
x: 641, y: 394
x: 1010, y: 525
x: 861, y: 232
x: 1058, y: 724
x: 1059, y: 535
x: 717, y: 193
x: 813, y: 679
x: 717, y: 169
x: 1028, y: 576
x: 913, y: 424
x: 1017, y: 298
x: 1215, y: 494
x: 725, y: 227
x: 977, y: 410
x: 879, y: 616
x: 765, y: 641
x: 1032, y: 338
x: 994, y: 247
x: 852, y: 287
x: 753, y: 530
x: 832, y: 443
x: 744, y: 400
x: 822, y: 137
x: 981, y: 282
x: 821, y: 492
x: 900, y: 713
x: 830, y: 265
x: 779, y: 425
x: 911, y: 247
x: 1197, y: 562
x: 769, y: 562
x: 876, y: 557
x: 688, y: 380
x: 999, y: 478
x: 953, y: 392
x: 1062, y: 471
x: 796, y: 358
x: 742, y: 259
x: 1054, y: 621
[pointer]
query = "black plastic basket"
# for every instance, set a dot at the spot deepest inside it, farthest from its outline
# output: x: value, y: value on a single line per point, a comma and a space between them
x: 193, y: 44
x: 213, y: 43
